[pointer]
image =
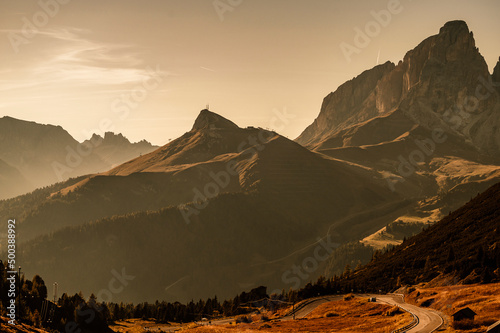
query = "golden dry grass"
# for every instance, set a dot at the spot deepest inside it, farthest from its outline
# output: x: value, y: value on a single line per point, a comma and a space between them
x: 137, y: 326
x: 355, y: 315
x: 5, y: 327
x: 482, y: 299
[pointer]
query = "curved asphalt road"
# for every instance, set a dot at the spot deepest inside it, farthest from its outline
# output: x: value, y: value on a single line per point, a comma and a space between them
x: 304, y: 308
x: 429, y: 320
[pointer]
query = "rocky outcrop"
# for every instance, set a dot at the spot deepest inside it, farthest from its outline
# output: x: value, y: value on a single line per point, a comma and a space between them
x: 112, y: 139
x: 211, y: 120
x: 353, y: 102
x: 116, y: 149
x: 442, y: 77
x: 496, y: 73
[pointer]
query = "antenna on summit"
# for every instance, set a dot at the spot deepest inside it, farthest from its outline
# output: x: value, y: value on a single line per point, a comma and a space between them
x: 208, y: 107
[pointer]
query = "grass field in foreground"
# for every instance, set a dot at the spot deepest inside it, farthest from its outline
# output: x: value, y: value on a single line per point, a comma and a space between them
x: 483, y: 299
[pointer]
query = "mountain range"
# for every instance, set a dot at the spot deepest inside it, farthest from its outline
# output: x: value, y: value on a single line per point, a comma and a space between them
x: 429, y: 123
x: 33, y: 155
x: 225, y: 208
x: 207, y: 204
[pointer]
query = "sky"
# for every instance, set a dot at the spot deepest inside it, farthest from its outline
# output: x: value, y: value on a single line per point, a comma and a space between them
x: 145, y: 68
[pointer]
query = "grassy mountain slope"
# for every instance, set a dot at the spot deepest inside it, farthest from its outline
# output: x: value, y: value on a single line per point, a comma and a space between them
x: 219, y: 241
x: 464, y: 244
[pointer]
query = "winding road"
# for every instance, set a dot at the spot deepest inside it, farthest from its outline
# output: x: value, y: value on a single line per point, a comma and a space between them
x: 307, y: 306
x: 428, y: 320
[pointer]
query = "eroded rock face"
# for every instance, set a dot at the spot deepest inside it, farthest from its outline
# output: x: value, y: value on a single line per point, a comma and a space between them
x: 441, y: 76
x: 496, y: 73
x: 352, y: 102
x: 454, y: 90
x: 443, y: 82
x: 451, y: 54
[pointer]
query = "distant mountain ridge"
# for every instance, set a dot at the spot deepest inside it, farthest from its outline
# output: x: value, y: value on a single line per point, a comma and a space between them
x: 45, y: 154
x: 114, y: 149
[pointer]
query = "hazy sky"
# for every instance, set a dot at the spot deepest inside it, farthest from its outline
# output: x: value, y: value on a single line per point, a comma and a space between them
x: 148, y: 67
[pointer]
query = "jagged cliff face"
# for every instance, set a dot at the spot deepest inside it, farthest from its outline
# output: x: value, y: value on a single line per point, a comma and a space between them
x: 353, y: 102
x: 450, y: 54
x: 446, y: 85
x: 496, y: 74
x: 443, y: 82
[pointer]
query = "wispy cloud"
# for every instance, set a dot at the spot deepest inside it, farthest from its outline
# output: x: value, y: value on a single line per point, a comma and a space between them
x: 207, y: 69
x: 70, y: 57
x: 83, y: 60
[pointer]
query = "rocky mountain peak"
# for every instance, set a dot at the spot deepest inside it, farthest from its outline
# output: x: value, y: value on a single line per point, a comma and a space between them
x: 454, y: 28
x: 457, y: 43
x: 433, y: 78
x: 439, y: 73
x: 96, y: 137
x: 210, y: 120
x: 454, y: 45
x: 116, y: 139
